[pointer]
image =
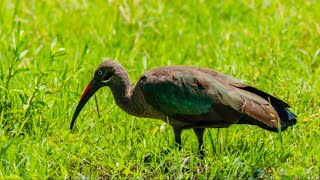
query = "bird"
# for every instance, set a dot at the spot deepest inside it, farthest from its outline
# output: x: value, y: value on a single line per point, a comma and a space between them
x: 189, y: 97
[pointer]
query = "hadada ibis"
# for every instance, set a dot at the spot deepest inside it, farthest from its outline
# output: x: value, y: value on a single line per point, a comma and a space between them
x: 189, y: 97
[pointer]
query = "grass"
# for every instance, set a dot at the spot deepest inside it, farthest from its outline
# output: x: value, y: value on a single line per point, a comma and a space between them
x: 50, y: 49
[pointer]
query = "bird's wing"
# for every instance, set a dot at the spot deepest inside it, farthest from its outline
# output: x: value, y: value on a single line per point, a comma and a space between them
x: 188, y: 92
x: 175, y: 92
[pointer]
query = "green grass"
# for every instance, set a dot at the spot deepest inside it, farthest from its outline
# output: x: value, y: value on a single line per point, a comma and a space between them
x: 50, y: 49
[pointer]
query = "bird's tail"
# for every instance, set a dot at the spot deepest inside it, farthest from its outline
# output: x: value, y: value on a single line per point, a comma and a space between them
x: 287, y: 117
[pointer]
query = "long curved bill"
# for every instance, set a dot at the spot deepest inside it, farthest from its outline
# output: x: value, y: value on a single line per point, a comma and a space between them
x: 88, y: 92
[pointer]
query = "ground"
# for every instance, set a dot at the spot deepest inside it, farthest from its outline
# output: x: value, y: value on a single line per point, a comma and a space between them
x: 48, y: 53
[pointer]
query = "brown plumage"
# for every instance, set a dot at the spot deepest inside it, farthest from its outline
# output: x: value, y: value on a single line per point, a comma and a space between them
x: 190, y: 97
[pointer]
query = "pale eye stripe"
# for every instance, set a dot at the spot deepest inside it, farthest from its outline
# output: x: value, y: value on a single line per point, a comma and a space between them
x: 105, y: 81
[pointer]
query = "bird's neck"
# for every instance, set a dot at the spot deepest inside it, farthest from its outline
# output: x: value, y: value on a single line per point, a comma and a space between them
x: 124, y: 95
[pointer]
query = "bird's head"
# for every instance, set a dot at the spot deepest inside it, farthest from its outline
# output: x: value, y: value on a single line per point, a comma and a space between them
x: 105, y: 75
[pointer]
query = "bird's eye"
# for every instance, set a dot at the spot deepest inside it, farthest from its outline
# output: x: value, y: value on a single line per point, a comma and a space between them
x: 99, y: 72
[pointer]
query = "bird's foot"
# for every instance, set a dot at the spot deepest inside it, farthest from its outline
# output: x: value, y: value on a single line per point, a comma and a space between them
x: 147, y: 158
x: 201, y: 154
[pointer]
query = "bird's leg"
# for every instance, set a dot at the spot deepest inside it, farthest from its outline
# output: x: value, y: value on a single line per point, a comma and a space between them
x: 199, y: 132
x: 177, y: 136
